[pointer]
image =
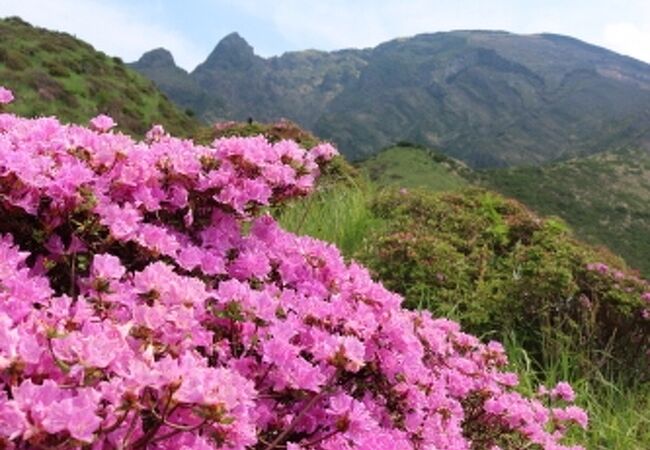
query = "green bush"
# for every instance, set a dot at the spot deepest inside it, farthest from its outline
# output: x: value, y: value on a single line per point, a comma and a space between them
x: 56, y: 69
x: 13, y: 59
x: 498, y: 269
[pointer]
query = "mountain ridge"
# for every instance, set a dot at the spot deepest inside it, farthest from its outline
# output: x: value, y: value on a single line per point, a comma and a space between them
x: 233, y: 50
x: 489, y: 98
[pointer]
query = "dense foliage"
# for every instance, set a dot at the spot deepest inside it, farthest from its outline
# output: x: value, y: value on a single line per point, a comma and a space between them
x: 281, y: 130
x: 498, y: 268
x: 147, y: 301
x: 603, y: 197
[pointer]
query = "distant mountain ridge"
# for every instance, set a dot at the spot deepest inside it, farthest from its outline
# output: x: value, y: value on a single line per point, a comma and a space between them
x: 489, y: 98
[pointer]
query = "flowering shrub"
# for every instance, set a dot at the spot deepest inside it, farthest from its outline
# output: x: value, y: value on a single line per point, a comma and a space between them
x: 280, y: 130
x: 147, y: 301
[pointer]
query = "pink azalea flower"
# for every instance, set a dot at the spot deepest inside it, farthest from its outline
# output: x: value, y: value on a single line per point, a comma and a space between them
x: 107, y: 266
x: 6, y: 96
x: 102, y: 123
x: 155, y: 133
x: 564, y: 391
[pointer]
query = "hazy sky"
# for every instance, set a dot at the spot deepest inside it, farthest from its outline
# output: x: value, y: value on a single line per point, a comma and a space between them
x: 191, y: 28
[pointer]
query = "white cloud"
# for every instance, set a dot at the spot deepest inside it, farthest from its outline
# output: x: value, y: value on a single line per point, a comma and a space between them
x: 629, y: 39
x: 109, y: 28
x: 341, y: 23
x: 127, y: 29
x: 336, y: 24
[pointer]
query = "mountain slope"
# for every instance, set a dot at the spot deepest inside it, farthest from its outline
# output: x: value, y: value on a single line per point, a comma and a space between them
x: 55, y: 74
x: 487, y: 98
x: 408, y: 166
x: 297, y: 85
x: 603, y: 197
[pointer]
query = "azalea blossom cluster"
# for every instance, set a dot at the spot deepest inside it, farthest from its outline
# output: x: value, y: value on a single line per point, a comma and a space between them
x: 6, y: 96
x: 147, y: 300
x: 627, y: 283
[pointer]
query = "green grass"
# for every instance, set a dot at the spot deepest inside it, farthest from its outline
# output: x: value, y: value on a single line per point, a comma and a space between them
x: 619, y: 413
x: 414, y: 167
x: 339, y: 214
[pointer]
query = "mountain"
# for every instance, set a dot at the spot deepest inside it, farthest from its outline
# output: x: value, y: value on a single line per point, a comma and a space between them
x: 56, y: 74
x: 488, y: 98
x: 159, y: 65
x: 297, y: 85
x: 603, y: 197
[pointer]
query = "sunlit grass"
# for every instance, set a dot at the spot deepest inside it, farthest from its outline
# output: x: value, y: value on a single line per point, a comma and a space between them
x: 339, y: 214
x: 619, y: 411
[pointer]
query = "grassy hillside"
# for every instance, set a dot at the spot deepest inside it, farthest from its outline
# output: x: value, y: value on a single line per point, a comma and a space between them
x: 410, y: 166
x: 56, y: 74
x: 605, y: 198
x: 480, y: 258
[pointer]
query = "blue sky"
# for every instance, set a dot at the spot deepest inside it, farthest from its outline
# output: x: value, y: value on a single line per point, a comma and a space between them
x: 191, y: 28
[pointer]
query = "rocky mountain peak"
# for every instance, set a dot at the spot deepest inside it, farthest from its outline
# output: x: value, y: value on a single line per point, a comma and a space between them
x: 232, y: 52
x: 157, y: 58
